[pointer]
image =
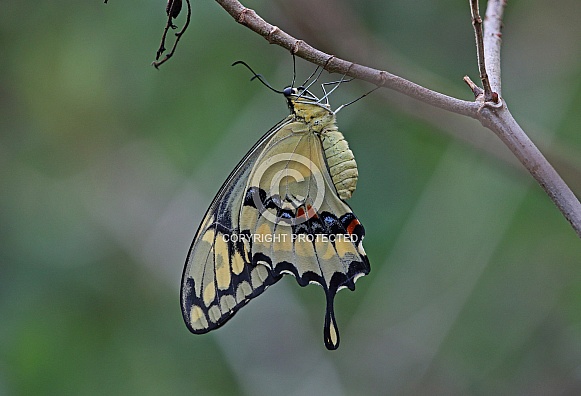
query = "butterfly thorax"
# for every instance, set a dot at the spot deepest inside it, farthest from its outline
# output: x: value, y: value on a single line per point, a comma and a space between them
x: 316, y: 116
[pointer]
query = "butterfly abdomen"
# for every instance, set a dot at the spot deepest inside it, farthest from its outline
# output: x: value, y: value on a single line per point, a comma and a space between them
x: 342, y: 165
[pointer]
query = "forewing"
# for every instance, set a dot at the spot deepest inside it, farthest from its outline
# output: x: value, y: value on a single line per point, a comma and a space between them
x: 219, y: 277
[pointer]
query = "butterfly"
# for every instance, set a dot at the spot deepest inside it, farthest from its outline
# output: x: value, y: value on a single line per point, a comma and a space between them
x: 281, y: 211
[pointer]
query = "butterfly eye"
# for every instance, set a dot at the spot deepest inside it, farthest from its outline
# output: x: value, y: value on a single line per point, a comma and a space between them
x: 288, y: 91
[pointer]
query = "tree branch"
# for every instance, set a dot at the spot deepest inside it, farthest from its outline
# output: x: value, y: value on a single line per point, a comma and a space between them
x: 331, y: 63
x: 502, y: 123
x: 493, y: 41
x: 491, y: 111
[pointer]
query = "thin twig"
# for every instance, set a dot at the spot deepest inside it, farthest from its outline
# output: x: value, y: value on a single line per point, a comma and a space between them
x: 476, y: 90
x: 477, y: 23
x: 169, y: 25
x: 493, y: 41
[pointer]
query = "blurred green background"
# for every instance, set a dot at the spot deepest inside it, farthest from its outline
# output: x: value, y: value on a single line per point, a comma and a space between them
x: 107, y: 166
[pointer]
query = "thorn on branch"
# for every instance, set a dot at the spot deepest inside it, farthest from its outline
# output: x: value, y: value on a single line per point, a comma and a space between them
x: 476, y: 90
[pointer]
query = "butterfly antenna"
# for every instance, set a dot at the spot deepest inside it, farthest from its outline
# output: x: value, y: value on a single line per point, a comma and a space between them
x: 337, y: 83
x: 311, y: 76
x: 257, y: 76
x: 305, y: 90
x: 319, y: 69
x: 353, y: 101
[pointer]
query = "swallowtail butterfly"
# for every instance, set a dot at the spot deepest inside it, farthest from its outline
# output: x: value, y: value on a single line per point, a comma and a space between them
x: 281, y: 211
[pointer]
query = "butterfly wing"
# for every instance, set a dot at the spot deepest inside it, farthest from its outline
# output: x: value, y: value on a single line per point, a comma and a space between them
x: 278, y: 213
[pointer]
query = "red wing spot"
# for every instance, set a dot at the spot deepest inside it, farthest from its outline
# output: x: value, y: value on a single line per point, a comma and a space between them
x: 300, y: 212
x: 311, y: 212
x: 351, y: 227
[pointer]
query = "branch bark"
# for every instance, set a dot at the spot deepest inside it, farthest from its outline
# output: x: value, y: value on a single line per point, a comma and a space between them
x: 491, y: 111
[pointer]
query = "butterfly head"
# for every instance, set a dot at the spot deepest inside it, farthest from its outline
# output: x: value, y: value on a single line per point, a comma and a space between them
x: 303, y: 104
